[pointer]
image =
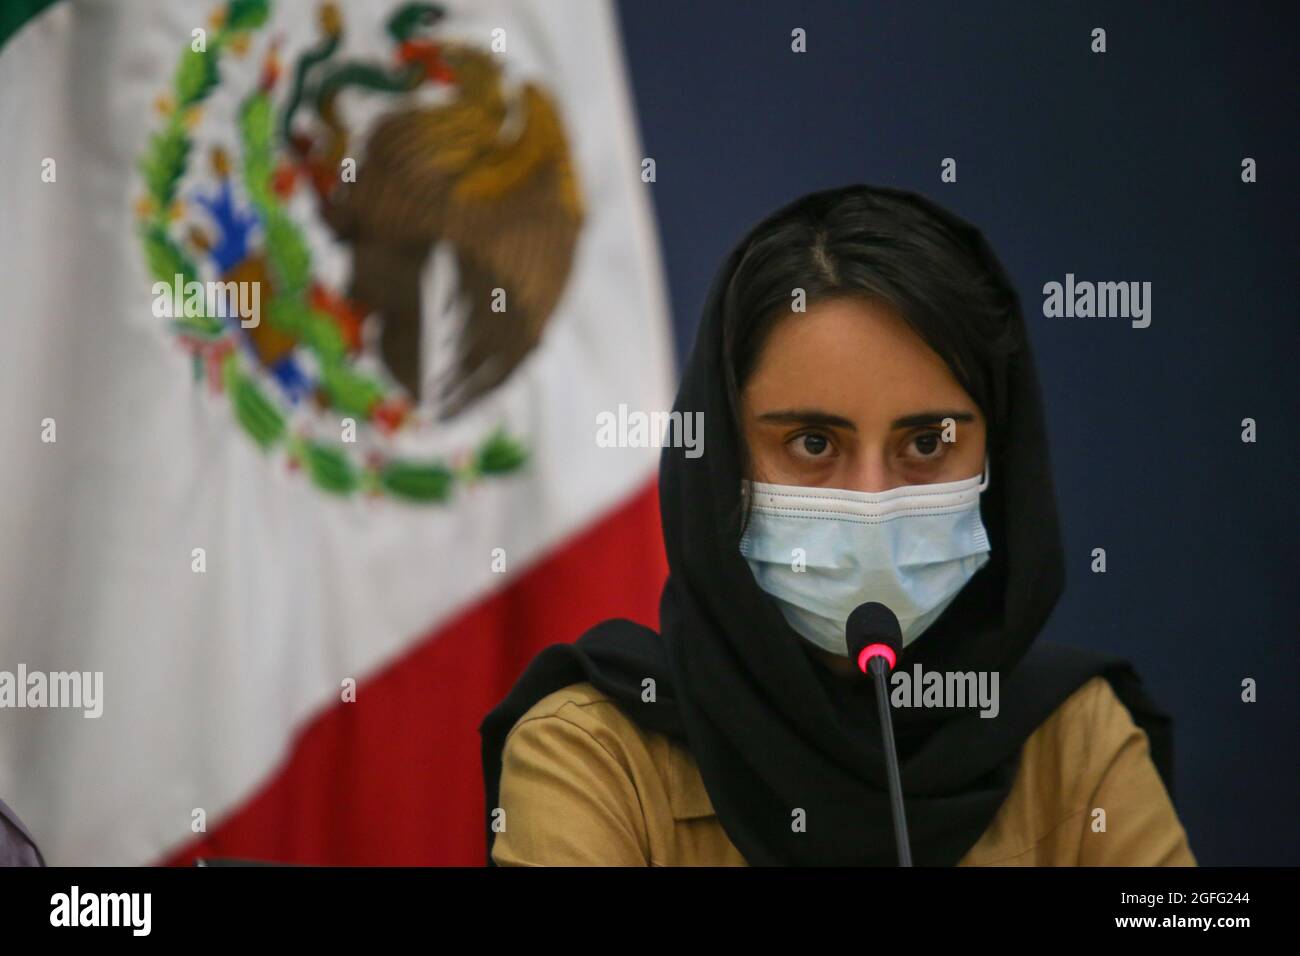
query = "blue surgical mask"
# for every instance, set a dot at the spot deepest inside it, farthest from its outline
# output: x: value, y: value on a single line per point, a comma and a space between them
x: 821, y: 552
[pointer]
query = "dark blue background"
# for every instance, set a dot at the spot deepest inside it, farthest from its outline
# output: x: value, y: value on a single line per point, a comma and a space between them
x: 1123, y: 166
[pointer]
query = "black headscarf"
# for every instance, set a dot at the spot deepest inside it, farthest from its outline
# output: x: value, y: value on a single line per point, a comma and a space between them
x: 770, y: 728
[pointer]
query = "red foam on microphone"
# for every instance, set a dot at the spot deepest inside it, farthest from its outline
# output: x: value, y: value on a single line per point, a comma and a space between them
x: 876, y: 650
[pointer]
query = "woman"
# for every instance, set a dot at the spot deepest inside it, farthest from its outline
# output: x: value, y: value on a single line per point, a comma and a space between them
x: 875, y: 433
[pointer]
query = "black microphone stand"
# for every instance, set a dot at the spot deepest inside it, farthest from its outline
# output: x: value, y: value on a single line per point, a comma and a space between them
x: 878, y: 669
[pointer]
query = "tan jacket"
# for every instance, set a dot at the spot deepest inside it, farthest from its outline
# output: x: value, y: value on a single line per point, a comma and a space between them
x: 583, y: 785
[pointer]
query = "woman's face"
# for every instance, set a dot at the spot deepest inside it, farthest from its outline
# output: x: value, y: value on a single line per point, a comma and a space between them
x: 846, y: 395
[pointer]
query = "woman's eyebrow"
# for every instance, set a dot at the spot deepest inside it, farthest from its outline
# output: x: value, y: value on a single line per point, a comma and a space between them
x: 930, y: 418
x: 806, y: 416
x: 813, y: 416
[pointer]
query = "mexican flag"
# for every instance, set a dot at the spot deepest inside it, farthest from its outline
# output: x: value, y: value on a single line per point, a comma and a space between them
x: 311, y: 315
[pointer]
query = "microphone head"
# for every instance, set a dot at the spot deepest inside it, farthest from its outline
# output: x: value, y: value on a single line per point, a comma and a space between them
x: 872, y: 630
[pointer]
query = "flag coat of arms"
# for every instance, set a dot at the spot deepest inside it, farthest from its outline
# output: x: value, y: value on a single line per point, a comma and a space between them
x: 312, y: 312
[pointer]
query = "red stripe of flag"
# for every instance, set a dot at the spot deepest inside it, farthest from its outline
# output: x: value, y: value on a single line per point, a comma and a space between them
x: 396, y: 777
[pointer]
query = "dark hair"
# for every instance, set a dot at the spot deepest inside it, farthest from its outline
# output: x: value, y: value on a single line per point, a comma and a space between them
x: 874, y: 246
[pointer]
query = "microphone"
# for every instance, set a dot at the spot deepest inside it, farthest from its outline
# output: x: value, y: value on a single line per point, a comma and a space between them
x: 875, y: 641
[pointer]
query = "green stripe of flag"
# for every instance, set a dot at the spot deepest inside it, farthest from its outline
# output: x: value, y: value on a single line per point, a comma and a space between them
x: 14, y: 15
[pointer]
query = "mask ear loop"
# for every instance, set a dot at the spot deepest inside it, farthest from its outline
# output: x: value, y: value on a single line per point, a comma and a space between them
x: 985, y: 482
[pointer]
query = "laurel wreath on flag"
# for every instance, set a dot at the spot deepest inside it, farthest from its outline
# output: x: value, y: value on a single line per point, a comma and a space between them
x: 215, y: 343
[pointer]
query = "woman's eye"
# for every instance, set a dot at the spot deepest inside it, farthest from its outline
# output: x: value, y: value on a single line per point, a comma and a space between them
x: 812, y: 445
x: 928, y: 445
